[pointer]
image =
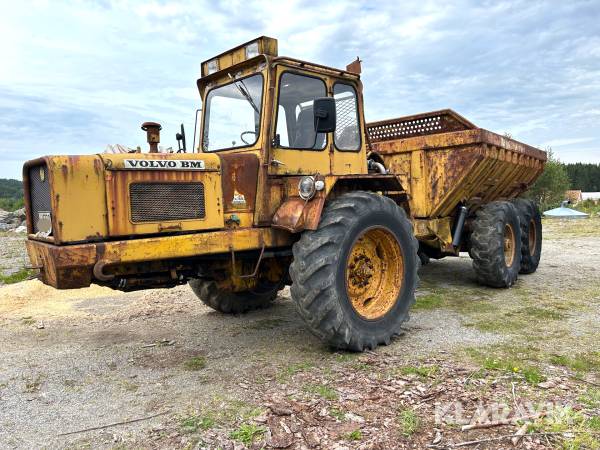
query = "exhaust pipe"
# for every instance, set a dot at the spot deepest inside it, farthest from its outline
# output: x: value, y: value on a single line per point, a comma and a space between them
x: 374, y: 165
x: 152, y: 130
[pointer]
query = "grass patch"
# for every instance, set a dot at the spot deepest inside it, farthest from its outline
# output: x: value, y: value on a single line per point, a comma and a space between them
x: 346, y: 357
x: 231, y: 411
x: 246, y: 433
x: 337, y: 414
x: 322, y: 390
x: 421, y: 371
x: 195, y: 422
x: 497, y: 325
x: 462, y: 300
x: 582, y: 362
x: 16, y: 277
x: 593, y: 423
x: 591, y: 398
x: 556, y: 228
x: 289, y: 371
x: 428, y: 302
x: 195, y: 363
x: 355, y: 435
x: 584, y: 430
x: 517, y: 320
x: 408, y: 421
x: 541, y: 313
x: 511, y: 360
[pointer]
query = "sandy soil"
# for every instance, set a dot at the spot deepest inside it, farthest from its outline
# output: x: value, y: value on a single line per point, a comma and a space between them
x: 85, y: 358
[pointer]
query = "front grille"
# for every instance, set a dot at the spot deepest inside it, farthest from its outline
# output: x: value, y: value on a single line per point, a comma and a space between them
x: 159, y: 202
x: 39, y: 191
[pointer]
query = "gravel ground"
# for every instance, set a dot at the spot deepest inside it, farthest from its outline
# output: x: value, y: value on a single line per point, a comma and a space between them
x: 12, y: 253
x: 84, y: 358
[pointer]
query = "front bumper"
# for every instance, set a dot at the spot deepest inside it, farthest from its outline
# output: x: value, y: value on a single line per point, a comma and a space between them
x: 78, y: 265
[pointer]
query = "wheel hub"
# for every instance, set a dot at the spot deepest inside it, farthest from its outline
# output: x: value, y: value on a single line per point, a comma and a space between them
x: 509, y: 245
x: 374, y: 273
x: 532, y: 237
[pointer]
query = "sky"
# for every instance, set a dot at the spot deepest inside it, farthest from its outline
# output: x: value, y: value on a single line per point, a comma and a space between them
x: 76, y: 76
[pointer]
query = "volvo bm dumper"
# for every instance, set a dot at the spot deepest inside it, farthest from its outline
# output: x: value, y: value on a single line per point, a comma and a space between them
x: 288, y: 185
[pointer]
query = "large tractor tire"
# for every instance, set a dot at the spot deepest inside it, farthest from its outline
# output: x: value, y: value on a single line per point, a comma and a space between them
x: 531, y: 234
x: 226, y: 302
x: 354, y: 278
x: 496, y: 244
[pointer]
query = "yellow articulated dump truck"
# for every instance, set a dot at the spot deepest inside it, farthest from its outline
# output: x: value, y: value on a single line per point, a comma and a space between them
x: 288, y: 185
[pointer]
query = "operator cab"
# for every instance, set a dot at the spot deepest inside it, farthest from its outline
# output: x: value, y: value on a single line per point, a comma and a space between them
x: 259, y: 102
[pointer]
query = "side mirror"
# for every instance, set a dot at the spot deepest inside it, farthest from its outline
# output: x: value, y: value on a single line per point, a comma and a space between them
x: 181, y: 140
x: 324, y: 114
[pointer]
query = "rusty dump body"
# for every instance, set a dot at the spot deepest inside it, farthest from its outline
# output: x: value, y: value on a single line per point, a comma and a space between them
x: 149, y: 220
x: 443, y: 161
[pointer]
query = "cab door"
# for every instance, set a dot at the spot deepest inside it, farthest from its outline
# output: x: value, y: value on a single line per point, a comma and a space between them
x: 296, y: 148
x: 349, y: 155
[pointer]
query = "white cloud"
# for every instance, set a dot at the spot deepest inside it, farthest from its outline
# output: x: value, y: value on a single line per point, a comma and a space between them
x: 78, y: 75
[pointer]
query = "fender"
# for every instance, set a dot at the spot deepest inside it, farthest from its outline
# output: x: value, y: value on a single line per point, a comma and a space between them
x: 296, y: 214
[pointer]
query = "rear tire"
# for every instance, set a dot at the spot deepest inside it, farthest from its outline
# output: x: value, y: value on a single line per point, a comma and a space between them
x: 354, y: 278
x: 531, y: 234
x: 233, y: 302
x: 496, y: 244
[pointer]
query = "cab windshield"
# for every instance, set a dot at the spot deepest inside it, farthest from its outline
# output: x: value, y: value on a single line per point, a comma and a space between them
x: 232, y: 114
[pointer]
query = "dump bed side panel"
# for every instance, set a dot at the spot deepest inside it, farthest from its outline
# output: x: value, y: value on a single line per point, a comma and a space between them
x: 441, y: 169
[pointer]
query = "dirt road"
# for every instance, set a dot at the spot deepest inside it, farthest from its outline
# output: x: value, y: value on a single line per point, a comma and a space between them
x: 73, y: 360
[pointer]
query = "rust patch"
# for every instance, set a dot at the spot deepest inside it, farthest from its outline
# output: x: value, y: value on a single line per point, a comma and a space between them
x: 239, y: 180
x: 296, y: 214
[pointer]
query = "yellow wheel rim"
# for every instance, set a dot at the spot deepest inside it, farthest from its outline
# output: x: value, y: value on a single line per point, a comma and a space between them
x: 509, y: 245
x: 374, y: 273
x: 532, y: 237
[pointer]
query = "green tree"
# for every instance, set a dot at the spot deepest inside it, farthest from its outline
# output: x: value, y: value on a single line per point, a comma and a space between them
x: 549, y: 189
x: 11, y: 194
x: 584, y: 176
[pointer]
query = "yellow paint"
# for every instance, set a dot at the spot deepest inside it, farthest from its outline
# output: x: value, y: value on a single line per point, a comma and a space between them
x: 159, y: 248
x: 78, y: 197
x: 266, y: 46
x: 118, y: 180
x: 374, y: 273
x: 289, y: 161
x: 90, y: 194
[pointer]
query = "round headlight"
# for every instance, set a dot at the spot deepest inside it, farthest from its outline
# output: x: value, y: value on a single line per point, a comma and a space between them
x: 306, y: 188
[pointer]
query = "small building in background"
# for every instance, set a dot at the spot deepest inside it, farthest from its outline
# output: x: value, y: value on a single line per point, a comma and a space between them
x: 594, y: 196
x: 573, y: 196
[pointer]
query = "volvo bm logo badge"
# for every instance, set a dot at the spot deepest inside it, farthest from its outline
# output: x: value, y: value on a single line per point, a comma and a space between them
x: 164, y: 164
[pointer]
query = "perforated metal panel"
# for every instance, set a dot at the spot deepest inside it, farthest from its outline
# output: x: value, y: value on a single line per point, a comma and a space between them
x: 161, y: 202
x: 39, y: 190
x: 346, y: 132
x: 417, y: 125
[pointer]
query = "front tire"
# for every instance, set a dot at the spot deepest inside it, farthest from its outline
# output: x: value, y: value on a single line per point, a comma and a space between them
x: 531, y: 234
x: 354, y: 278
x: 496, y: 244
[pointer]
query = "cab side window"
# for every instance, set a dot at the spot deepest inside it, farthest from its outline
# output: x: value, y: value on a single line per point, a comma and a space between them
x: 295, y: 121
x: 347, y: 132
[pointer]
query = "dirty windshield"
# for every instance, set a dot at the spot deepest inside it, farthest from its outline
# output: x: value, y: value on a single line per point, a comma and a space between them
x: 232, y: 114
